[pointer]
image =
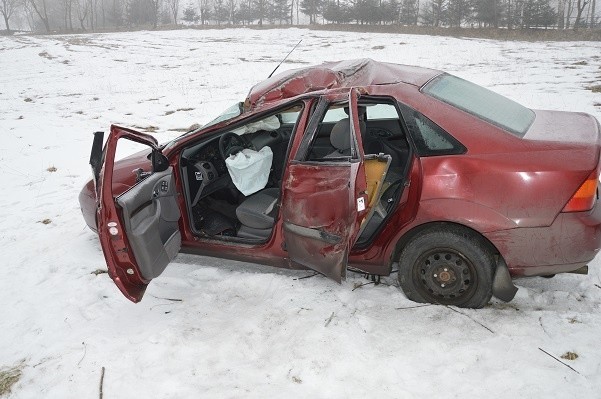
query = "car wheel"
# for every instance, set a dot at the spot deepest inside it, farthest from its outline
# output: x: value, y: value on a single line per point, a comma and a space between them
x: 449, y: 266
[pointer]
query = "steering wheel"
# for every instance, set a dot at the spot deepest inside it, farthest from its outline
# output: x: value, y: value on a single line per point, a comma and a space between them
x: 230, y: 144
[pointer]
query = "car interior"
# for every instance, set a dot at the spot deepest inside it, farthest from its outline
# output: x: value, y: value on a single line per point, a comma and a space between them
x: 233, y: 179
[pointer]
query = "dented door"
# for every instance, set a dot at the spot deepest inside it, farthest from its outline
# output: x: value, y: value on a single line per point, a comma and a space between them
x: 324, y: 203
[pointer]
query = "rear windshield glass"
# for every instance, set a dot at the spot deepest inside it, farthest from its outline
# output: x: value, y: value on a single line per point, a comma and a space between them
x: 481, y: 102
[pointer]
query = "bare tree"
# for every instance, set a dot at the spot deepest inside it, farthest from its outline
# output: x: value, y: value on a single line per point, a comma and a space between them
x: 570, y: 4
x: 593, y: 4
x: 7, y: 8
x: 579, y: 9
x: 82, y: 8
x: 205, y: 10
x: 154, y: 12
x: 561, y: 4
x: 174, y: 7
x: 40, y: 8
x: 68, y: 9
x: 231, y: 5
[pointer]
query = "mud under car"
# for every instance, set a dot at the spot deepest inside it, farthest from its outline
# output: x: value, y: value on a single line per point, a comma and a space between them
x: 365, y: 166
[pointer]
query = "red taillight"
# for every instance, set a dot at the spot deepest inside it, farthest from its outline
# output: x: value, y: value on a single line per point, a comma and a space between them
x: 584, y: 198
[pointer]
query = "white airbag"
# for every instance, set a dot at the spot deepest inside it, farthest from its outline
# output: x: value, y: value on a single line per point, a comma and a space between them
x: 250, y: 169
x: 269, y: 124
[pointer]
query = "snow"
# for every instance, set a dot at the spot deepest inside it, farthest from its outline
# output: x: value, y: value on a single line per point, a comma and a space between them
x: 241, y: 330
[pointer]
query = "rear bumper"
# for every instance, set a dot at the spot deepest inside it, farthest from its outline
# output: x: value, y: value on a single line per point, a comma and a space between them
x: 572, y: 241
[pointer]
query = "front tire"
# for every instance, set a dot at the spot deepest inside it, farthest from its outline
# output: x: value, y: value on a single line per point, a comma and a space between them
x: 447, y: 265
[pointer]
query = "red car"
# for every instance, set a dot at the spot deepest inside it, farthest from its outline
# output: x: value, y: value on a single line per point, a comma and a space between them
x: 364, y: 166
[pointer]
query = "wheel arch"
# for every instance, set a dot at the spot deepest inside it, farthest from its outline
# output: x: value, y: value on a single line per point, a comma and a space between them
x: 435, y: 225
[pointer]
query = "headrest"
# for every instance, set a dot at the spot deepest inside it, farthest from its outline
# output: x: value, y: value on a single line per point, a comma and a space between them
x: 340, y: 136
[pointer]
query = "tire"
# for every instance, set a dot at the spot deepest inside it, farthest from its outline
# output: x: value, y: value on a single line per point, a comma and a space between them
x: 447, y: 265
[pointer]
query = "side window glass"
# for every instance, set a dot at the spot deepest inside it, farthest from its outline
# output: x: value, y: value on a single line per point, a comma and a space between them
x: 429, y: 138
x: 381, y: 111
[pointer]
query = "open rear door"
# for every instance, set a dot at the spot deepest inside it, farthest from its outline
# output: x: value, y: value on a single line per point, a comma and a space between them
x: 138, y: 229
x: 324, y: 202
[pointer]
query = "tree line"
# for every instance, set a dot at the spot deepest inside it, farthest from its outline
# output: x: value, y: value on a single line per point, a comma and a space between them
x: 93, y: 15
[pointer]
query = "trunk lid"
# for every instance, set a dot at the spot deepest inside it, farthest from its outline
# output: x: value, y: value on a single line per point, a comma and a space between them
x: 561, y: 126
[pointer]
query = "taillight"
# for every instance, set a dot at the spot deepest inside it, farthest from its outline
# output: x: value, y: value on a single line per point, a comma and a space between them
x: 584, y: 198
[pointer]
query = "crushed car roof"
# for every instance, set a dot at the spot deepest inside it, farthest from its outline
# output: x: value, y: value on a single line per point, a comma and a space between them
x: 335, y: 75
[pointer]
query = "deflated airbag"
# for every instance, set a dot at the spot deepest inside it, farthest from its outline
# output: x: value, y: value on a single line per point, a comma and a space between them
x: 250, y: 169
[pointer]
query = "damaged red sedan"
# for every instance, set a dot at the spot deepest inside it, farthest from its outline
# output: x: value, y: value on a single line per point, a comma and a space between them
x: 365, y: 166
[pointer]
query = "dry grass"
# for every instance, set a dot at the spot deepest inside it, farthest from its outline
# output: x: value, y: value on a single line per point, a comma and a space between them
x: 484, y: 33
x: 569, y: 356
x: 9, y: 377
x: 595, y: 88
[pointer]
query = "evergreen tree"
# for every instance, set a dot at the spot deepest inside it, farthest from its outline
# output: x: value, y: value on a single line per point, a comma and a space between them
x: 190, y: 14
x: 312, y: 8
x: 408, y: 12
x: 221, y: 12
x: 279, y: 11
x: 435, y: 14
x: 489, y: 12
x: 458, y: 11
x: 538, y: 13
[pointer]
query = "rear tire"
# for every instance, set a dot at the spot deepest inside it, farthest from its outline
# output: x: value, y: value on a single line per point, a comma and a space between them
x: 447, y: 265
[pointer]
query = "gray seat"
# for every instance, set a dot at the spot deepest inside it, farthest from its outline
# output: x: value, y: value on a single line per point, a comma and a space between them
x: 256, y: 214
x: 340, y: 137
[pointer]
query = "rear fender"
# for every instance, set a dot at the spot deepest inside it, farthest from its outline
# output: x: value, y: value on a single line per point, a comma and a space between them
x: 476, y: 216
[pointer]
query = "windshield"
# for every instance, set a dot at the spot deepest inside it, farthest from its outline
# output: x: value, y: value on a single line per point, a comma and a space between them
x: 230, y: 113
x: 482, y: 103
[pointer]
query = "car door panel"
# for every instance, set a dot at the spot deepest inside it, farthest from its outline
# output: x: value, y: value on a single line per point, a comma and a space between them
x: 150, y: 216
x: 319, y: 214
x: 138, y: 229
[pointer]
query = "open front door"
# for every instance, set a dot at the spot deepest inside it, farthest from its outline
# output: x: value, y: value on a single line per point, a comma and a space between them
x: 325, y: 199
x: 138, y: 229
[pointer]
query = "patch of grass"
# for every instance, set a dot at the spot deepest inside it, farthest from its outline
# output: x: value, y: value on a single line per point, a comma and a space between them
x: 377, y: 48
x: 45, y: 221
x: 297, y: 380
x: 9, y: 377
x: 569, y: 356
x: 51, y: 169
x: 148, y: 129
x: 595, y: 88
x: 580, y: 63
x: 45, y: 54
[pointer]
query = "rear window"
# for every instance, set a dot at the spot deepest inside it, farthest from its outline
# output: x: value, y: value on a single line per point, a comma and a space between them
x: 482, y: 103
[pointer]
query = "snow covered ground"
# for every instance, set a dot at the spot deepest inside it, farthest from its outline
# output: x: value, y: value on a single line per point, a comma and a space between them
x: 240, y: 330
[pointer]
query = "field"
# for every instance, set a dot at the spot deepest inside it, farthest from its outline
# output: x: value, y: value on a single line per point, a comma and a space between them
x: 221, y: 329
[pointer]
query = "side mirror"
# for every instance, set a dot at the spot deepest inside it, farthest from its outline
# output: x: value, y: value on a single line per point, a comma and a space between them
x: 159, y: 162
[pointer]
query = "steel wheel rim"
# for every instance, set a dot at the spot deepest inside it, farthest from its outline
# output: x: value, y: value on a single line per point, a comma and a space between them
x: 445, y: 276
